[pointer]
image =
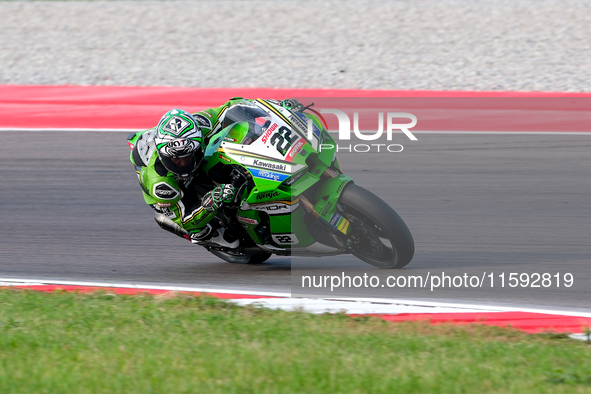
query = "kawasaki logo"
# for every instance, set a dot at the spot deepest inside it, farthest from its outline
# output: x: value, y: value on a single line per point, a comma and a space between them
x: 272, y: 166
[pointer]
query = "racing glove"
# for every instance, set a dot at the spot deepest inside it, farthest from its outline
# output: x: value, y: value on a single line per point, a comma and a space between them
x: 220, y: 195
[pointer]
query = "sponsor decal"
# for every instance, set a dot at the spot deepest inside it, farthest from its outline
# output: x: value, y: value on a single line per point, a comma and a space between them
x: 268, y: 133
x: 303, y: 124
x: 271, y: 166
x: 164, y: 191
x: 285, y: 239
x: 343, y: 225
x: 260, y: 196
x: 296, y: 148
x: 341, y: 187
x: 299, y: 123
x: 165, y: 210
x: 163, y: 205
x: 294, y: 178
x: 246, y: 220
x: 170, y: 214
x: 176, y: 125
x: 202, y: 120
x: 275, y: 208
x: 265, y: 163
x: 273, y: 176
x: 334, y: 219
x: 326, y: 209
x: 200, y: 234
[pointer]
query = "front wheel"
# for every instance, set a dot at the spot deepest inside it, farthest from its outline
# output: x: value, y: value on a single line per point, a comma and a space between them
x: 241, y: 258
x: 378, y: 235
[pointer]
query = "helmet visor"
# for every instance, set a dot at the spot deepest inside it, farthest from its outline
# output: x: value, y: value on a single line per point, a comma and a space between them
x: 182, y: 165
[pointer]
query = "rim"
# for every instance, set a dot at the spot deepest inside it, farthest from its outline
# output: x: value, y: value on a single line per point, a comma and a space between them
x: 369, y: 240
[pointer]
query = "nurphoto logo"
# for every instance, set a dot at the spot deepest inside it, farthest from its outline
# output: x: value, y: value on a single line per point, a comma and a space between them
x: 345, y: 131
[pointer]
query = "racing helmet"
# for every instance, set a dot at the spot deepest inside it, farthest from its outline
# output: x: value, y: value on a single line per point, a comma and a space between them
x: 179, y: 142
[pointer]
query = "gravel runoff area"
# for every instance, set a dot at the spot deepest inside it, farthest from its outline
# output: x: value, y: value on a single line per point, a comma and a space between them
x: 530, y: 45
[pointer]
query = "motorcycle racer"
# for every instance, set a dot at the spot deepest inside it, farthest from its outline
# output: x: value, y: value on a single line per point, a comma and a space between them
x: 169, y: 163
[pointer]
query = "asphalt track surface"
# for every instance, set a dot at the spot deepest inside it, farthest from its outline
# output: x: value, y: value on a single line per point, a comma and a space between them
x: 475, y: 203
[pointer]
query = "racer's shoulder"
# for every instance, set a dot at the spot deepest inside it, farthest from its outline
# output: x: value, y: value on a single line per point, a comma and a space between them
x: 157, y: 182
x: 142, y: 146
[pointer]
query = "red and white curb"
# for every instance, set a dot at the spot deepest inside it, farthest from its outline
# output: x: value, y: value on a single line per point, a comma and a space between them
x: 395, y: 310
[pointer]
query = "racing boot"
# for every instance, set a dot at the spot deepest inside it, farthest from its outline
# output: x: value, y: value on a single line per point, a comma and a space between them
x: 224, y: 238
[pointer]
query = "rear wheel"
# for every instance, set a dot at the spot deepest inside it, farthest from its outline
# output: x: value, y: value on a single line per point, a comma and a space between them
x: 378, y: 235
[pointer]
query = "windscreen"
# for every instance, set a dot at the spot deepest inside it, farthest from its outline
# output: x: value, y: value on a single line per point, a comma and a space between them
x: 248, y: 122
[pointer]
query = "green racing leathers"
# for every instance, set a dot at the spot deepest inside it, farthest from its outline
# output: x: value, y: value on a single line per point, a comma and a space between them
x: 189, y: 203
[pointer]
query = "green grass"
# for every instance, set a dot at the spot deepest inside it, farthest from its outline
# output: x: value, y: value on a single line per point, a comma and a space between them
x: 102, y: 343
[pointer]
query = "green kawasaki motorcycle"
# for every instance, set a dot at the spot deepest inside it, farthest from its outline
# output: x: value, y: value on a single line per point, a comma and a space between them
x: 293, y: 198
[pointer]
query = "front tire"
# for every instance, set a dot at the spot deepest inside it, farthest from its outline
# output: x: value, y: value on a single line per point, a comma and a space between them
x: 241, y: 258
x: 380, y: 237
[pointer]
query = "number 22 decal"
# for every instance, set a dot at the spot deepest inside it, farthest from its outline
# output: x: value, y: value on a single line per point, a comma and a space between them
x: 283, y: 139
x: 285, y: 239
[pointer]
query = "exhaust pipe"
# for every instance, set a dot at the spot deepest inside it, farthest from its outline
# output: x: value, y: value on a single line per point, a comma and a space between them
x: 166, y: 224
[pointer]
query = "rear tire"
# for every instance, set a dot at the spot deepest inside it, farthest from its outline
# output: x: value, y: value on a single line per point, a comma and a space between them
x: 372, y: 222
